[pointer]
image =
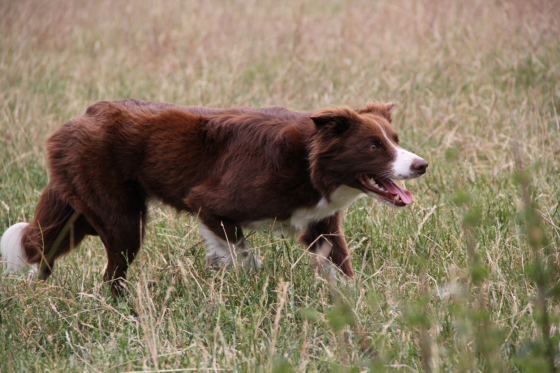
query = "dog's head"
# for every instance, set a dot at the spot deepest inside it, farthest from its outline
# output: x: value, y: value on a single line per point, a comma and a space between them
x: 360, y: 149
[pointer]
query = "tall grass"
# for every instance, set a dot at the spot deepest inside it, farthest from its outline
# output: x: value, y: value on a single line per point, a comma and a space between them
x: 465, y: 279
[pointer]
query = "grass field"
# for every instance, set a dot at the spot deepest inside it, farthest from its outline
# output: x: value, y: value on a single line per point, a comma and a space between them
x: 463, y: 280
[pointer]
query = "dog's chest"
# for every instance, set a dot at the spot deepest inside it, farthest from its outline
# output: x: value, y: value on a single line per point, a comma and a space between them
x: 340, y: 199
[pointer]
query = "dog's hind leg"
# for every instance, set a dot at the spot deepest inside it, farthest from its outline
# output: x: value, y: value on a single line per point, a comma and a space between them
x: 122, y: 241
x: 325, y: 239
x: 55, y: 229
x: 120, y: 223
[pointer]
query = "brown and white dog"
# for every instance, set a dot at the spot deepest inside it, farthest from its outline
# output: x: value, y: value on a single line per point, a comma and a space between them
x: 234, y: 169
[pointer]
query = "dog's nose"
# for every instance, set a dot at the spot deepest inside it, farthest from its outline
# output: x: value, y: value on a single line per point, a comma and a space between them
x: 419, y: 166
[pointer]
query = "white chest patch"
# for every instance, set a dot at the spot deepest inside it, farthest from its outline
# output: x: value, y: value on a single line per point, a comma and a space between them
x: 341, y: 198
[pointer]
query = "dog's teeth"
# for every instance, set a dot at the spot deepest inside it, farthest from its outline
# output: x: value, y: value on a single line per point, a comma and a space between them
x: 398, y: 198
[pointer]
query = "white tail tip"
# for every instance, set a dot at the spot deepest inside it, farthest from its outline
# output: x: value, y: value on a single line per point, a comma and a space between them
x: 13, y: 255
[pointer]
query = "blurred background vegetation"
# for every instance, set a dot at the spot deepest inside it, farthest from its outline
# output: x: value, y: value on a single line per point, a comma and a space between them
x: 465, y: 279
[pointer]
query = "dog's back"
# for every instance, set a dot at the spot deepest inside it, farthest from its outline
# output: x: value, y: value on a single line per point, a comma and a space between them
x: 141, y: 106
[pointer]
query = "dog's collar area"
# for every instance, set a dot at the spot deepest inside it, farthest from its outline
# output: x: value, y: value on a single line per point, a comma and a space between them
x: 386, y: 189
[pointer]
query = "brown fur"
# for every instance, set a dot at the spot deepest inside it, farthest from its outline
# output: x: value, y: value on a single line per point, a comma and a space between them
x: 228, y: 167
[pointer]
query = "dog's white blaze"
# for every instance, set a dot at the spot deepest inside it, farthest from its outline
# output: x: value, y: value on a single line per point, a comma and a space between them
x: 402, y: 165
x: 403, y: 162
x: 222, y: 253
x: 13, y: 254
x: 341, y: 198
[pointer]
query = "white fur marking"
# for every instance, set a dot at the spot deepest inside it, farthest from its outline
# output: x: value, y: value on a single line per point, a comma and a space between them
x: 322, y: 262
x: 33, y: 272
x: 322, y: 254
x: 341, y: 198
x: 217, y: 250
x: 221, y: 253
x: 13, y: 255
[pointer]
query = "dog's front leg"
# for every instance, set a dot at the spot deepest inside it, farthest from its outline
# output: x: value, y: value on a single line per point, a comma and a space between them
x: 226, y: 245
x: 326, y: 240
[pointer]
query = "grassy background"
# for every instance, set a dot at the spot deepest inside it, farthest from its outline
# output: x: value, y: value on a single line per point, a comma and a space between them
x: 464, y: 279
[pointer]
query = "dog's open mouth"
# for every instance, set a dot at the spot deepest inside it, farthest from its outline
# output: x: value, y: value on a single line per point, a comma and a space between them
x: 387, y: 190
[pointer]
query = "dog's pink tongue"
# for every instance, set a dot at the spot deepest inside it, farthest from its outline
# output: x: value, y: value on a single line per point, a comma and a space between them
x: 393, y: 188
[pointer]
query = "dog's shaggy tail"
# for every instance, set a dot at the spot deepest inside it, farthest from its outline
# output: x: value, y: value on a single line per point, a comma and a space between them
x: 11, y: 247
x: 55, y: 229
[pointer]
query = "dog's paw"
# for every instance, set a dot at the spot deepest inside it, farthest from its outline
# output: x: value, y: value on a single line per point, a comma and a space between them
x: 249, y: 261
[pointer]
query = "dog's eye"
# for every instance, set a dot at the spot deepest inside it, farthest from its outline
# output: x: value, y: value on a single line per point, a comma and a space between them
x: 374, y: 146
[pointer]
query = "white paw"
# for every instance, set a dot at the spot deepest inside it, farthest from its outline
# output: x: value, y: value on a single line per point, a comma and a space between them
x: 33, y: 272
x: 249, y: 261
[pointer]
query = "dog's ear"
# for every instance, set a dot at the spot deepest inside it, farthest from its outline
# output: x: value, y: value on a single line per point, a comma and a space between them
x: 389, y: 106
x: 338, y: 120
x: 378, y: 108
